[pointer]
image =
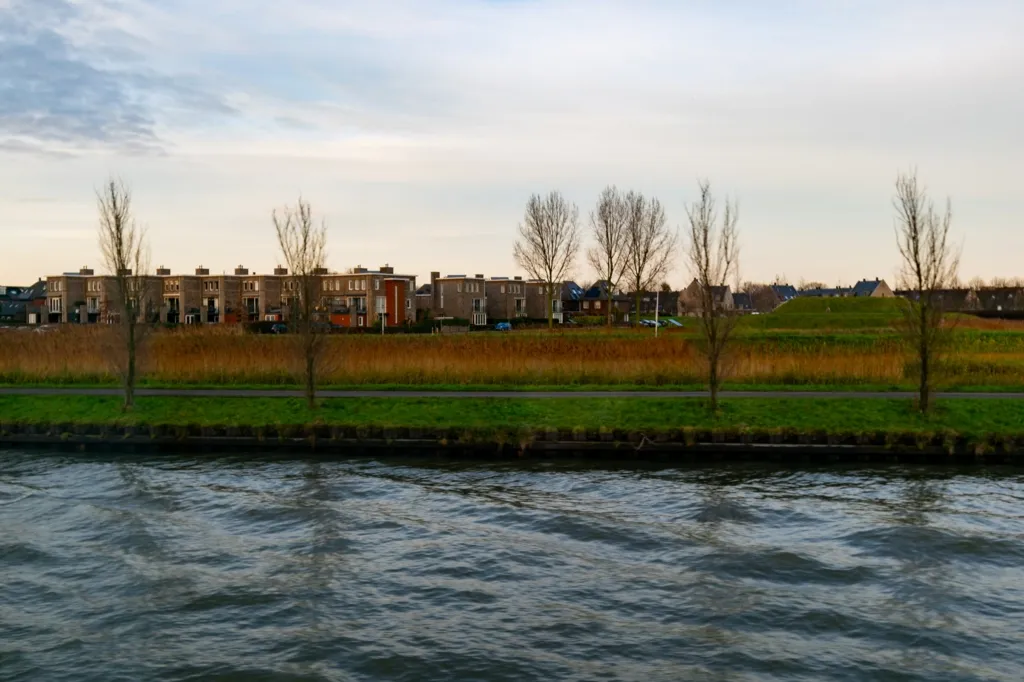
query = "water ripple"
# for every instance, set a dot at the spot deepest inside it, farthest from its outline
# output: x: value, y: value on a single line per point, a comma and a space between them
x: 236, y: 569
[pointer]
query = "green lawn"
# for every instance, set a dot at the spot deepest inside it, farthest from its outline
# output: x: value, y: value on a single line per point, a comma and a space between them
x: 972, y: 418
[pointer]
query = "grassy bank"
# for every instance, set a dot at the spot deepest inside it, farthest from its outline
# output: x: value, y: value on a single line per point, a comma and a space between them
x: 975, y: 419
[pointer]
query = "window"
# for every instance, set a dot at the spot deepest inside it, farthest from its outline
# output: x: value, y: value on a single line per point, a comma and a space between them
x: 380, y: 305
x: 586, y: 305
x: 458, y: 287
x: 597, y: 305
x: 55, y: 305
x: 502, y: 288
x: 408, y: 303
x: 94, y: 305
x: 478, y: 305
x: 361, y: 321
x: 376, y: 284
x: 520, y: 307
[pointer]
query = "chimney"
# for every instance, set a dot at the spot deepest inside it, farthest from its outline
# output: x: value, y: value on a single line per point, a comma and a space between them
x: 202, y: 271
x: 241, y: 271
x: 280, y: 272
x: 162, y: 271
x: 86, y: 270
x: 320, y: 271
x: 518, y: 279
x: 358, y: 270
x: 387, y: 269
x: 127, y: 272
x: 479, y: 276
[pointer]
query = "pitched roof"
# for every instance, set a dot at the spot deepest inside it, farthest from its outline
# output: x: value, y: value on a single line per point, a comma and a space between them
x: 571, y: 291
x: 866, y: 287
x: 425, y: 290
x: 785, y: 292
x: 741, y: 300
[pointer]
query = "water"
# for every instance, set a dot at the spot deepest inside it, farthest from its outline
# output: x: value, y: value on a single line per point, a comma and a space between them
x: 228, y: 569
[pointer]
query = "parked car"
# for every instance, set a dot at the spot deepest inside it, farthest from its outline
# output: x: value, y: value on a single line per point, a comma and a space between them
x: 503, y: 327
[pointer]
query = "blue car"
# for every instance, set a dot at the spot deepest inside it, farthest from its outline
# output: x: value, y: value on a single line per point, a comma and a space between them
x: 503, y: 327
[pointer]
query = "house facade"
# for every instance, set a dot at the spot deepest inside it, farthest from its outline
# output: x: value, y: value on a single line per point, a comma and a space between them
x: 459, y: 296
x: 691, y: 298
x: 506, y: 298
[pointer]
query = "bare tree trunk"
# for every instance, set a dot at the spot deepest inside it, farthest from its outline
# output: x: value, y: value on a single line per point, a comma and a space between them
x: 549, y: 240
x: 304, y: 247
x: 608, y: 255
x: 713, y: 255
x: 123, y: 246
x: 930, y: 264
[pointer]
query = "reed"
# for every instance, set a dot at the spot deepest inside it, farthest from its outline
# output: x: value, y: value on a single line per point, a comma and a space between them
x: 229, y: 356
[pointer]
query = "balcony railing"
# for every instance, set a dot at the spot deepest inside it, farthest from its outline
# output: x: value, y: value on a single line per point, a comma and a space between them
x: 479, y: 319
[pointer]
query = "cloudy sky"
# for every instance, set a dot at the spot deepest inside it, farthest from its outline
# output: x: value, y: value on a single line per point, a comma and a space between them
x: 418, y: 128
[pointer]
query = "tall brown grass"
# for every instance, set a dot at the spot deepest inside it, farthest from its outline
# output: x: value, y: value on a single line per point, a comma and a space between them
x: 228, y: 356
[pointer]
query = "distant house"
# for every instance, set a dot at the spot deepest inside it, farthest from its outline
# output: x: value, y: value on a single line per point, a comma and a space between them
x: 742, y: 302
x: 595, y: 302
x: 572, y: 298
x: 876, y: 288
x: 950, y: 300
x: 23, y: 305
x: 819, y: 292
x: 784, y: 292
x: 665, y: 302
x: 722, y: 296
x: 1000, y: 299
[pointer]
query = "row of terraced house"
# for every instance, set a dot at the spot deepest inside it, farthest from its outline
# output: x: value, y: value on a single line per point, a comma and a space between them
x: 358, y: 298
x: 362, y: 297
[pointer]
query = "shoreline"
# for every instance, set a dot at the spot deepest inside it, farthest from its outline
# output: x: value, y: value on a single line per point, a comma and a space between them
x: 676, y: 445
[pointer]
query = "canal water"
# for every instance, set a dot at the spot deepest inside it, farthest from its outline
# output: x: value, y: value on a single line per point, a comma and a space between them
x: 135, y: 568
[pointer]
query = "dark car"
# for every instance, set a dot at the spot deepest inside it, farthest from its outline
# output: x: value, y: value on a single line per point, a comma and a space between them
x: 279, y: 329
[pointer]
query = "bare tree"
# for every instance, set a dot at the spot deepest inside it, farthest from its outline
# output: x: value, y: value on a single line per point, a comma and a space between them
x: 650, y: 245
x: 304, y: 248
x: 126, y: 256
x: 608, y: 255
x: 930, y: 264
x: 549, y: 240
x: 713, y: 260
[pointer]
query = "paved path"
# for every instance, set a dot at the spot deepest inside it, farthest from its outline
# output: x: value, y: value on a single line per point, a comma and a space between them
x: 285, y: 393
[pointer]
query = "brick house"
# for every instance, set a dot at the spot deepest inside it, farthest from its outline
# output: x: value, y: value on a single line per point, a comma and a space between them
x: 459, y: 296
x: 366, y: 298
x: 876, y: 288
x: 594, y: 302
x: 691, y: 297
x: 506, y: 298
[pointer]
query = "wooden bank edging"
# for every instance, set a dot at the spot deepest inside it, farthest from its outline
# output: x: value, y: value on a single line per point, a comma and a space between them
x: 685, y: 444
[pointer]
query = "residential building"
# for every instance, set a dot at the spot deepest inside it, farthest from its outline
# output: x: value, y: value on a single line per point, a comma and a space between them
x: 742, y: 302
x: 368, y: 298
x: 666, y: 303
x: 783, y: 293
x: 876, y: 288
x: 691, y: 297
x: 65, y: 296
x: 460, y: 296
x: 1000, y: 299
x: 572, y: 298
x: 595, y: 302
x: 23, y: 305
x: 506, y: 298
x: 950, y: 300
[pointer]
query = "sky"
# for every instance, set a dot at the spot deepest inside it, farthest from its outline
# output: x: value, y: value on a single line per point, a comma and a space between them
x: 417, y: 129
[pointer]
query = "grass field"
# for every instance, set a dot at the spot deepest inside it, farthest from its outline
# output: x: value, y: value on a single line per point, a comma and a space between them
x: 805, y: 343
x: 969, y: 418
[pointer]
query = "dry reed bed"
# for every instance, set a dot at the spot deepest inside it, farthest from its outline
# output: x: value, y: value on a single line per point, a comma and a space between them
x: 212, y: 356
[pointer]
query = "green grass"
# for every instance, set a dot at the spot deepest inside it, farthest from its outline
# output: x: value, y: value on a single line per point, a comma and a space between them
x: 969, y: 418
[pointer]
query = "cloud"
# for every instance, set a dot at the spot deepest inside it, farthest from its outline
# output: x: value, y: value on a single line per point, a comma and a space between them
x: 58, y: 94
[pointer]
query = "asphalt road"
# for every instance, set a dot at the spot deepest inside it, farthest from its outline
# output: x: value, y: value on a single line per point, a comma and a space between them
x: 284, y: 393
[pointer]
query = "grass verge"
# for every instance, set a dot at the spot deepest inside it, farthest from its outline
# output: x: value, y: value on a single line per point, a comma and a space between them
x: 968, y: 418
